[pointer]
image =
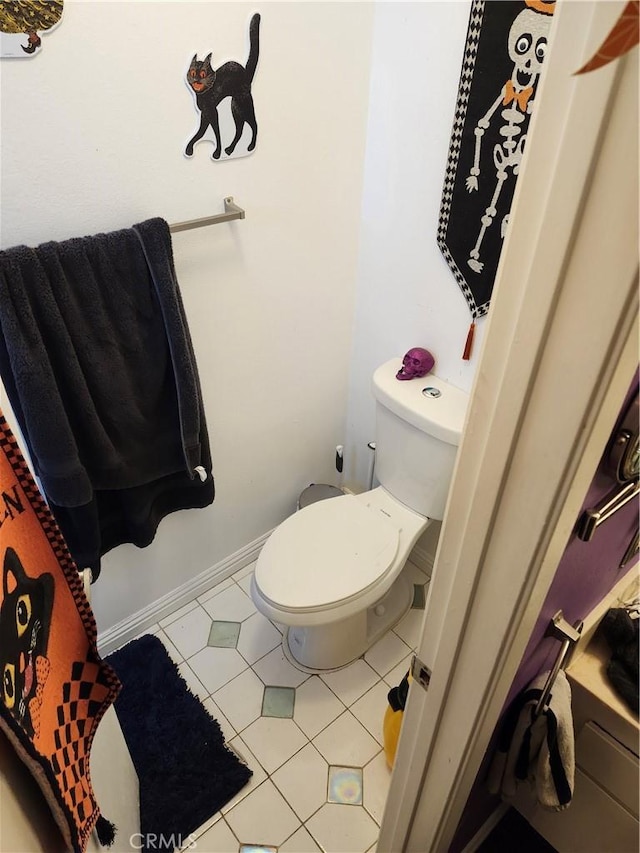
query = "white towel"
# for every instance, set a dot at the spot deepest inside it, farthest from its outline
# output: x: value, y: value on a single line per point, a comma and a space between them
x: 537, y: 750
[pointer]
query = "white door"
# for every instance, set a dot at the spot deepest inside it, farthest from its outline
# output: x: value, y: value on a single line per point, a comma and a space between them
x: 558, y: 357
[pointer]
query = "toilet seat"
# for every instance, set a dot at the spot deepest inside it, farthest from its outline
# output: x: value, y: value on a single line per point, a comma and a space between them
x: 343, y: 546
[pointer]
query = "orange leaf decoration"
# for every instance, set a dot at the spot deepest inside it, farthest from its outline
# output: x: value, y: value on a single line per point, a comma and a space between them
x: 624, y: 36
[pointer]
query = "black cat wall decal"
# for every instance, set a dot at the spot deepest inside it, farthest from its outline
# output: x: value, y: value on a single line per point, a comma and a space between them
x: 25, y: 617
x: 231, y: 80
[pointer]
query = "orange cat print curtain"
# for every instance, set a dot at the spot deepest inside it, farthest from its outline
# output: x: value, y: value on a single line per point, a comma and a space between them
x: 55, y: 688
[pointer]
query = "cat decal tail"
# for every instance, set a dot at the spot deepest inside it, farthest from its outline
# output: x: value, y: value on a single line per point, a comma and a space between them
x: 230, y: 80
x: 254, y: 46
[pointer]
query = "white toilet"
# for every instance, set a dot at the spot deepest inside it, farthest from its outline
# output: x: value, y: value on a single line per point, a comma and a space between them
x: 332, y: 572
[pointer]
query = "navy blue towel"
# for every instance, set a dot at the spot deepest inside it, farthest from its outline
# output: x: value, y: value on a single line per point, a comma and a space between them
x: 98, y: 363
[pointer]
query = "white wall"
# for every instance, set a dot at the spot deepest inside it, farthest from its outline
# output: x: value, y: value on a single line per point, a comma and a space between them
x: 406, y: 294
x: 93, y: 130
x: 293, y: 308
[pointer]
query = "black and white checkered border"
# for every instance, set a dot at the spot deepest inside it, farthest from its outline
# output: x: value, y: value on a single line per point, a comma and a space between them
x: 9, y: 446
x: 476, y: 310
x: 464, y: 90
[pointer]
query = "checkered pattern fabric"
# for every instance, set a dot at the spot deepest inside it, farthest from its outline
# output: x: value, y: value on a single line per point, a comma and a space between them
x: 464, y: 90
x: 72, y: 687
x: 83, y: 698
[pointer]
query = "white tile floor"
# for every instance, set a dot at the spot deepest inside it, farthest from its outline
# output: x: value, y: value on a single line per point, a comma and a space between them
x: 320, y: 778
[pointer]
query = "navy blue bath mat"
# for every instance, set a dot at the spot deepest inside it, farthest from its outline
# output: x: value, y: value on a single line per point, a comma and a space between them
x: 186, y: 772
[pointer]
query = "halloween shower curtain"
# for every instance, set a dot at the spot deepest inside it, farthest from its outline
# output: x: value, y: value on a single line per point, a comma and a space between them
x: 55, y: 687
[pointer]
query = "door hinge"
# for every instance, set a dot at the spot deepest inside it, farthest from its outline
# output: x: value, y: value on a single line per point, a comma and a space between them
x: 420, y: 672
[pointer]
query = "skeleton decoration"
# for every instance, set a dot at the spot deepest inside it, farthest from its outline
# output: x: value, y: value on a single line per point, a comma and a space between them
x: 504, y: 55
x: 417, y: 362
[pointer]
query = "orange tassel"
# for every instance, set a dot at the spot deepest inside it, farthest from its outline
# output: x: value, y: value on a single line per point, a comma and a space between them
x: 466, y: 355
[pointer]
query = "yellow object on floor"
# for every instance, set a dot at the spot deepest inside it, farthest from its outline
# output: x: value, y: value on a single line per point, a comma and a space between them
x: 393, y: 715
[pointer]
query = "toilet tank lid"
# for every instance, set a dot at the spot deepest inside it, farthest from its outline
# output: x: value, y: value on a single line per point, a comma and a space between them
x: 441, y: 416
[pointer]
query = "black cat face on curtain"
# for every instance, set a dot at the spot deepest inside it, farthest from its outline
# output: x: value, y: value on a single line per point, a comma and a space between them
x: 25, y: 617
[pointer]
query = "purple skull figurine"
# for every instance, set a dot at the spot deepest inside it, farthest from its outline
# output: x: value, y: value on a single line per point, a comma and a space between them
x: 417, y: 362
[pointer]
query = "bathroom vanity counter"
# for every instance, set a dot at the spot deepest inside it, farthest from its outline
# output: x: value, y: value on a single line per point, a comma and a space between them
x: 595, y: 699
x: 603, y: 814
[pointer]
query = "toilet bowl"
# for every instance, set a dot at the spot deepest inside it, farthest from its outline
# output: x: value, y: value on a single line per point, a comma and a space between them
x: 332, y: 573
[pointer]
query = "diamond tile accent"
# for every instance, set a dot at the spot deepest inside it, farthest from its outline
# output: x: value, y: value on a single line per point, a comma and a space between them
x: 278, y: 701
x: 257, y: 848
x: 224, y: 635
x: 345, y: 786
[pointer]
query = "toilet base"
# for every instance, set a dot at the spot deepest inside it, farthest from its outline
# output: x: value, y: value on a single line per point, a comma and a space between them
x: 337, y: 644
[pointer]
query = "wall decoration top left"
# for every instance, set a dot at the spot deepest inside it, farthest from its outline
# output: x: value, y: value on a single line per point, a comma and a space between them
x: 22, y: 22
x: 224, y: 100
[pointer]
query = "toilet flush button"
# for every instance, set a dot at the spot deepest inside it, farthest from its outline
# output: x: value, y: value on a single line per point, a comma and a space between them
x: 430, y: 391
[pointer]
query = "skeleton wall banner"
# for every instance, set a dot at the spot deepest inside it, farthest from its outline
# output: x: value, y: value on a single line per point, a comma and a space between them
x: 505, y: 49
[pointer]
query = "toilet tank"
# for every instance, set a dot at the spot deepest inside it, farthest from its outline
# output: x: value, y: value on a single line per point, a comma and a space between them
x: 419, y: 423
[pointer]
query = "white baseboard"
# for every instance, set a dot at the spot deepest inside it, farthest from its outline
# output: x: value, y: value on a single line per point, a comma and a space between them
x: 132, y: 626
x: 487, y: 827
x: 423, y: 559
x: 124, y: 631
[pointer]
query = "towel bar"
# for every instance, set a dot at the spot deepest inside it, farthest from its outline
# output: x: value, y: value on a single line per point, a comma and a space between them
x: 593, y: 518
x: 561, y: 630
x: 231, y: 211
